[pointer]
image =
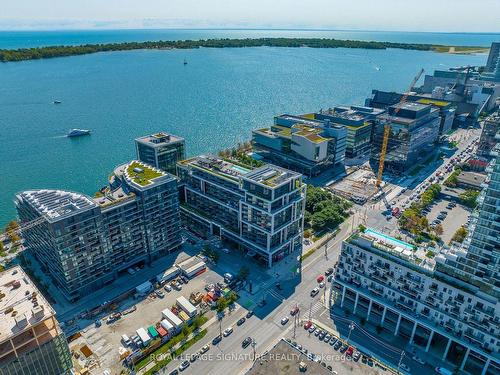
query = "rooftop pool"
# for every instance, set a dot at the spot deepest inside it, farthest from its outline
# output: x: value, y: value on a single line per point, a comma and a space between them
x: 384, y: 237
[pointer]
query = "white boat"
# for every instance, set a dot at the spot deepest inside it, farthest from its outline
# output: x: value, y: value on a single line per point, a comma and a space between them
x: 78, y: 132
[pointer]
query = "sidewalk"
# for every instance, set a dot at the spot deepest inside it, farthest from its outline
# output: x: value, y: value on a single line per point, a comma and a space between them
x: 335, y: 333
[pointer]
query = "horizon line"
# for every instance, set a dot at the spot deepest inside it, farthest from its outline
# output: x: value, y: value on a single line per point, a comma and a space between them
x: 243, y: 28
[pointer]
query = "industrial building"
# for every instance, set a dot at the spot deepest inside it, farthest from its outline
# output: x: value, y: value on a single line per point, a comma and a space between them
x: 358, y: 122
x: 161, y: 150
x: 447, y: 306
x: 413, y: 134
x: 83, y: 243
x: 384, y: 99
x: 31, y: 341
x: 261, y: 210
x: 493, y: 57
x: 305, y: 145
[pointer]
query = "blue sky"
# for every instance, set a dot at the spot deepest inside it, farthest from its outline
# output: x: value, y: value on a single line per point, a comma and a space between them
x: 404, y: 15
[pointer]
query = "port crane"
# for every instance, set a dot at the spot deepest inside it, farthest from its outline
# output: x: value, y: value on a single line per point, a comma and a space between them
x: 387, y: 130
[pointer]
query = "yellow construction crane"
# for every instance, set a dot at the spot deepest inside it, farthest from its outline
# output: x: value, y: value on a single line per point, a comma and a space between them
x: 387, y: 128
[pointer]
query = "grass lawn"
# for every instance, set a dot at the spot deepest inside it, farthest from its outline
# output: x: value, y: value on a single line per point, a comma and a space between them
x: 145, y: 177
x: 159, y: 365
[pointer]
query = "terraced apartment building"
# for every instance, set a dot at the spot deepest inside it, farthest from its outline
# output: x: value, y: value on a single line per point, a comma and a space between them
x: 358, y: 122
x: 85, y: 242
x: 447, y: 306
x: 261, y: 211
x: 302, y: 144
x: 161, y: 150
x: 31, y: 340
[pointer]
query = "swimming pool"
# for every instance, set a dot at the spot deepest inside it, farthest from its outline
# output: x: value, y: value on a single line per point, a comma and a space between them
x: 393, y: 240
x: 239, y: 169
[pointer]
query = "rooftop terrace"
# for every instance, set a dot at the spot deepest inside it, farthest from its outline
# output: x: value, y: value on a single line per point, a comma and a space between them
x: 56, y: 204
x: 21, y: 304
x: 393, y: 246
x: 140, y: 173
x: 159, y: 139
x: 217, y: 166
x: 271, y: 175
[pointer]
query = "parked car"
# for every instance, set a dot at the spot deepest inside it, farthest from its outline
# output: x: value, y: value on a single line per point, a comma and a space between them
x: 322, y: 284
x: 349, y: 352
x: 356, y: 356
x: 227, y: 331
x: 246, y: 342
x: 329, y: 271
x: 404, y: 367
x: 327, y: 337
x: 167, y: 288
x: 204, y: 349
x: 216, y: 340
x: 317, y: 332
x: 418, y: 359
x: 322, y: 335
x: 240, y: 321
x: 320, y: 278
x: 184, y: 365
x: 249, y: 314
x: 284, y: 320
x: 294, y: 311
x: 160, y: 294
x: 337, y: 345
x: 194, y: 357
x: 329, y: 278
x: 308, y: 324
x: 314, y: 292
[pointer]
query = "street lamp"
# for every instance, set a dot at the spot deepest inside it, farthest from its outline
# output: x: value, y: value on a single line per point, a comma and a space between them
x: 351, y: 328
x: 401, y: 360
x: 254, y: 344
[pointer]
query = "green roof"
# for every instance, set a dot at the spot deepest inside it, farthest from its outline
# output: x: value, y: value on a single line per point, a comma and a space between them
x: 144, y: 177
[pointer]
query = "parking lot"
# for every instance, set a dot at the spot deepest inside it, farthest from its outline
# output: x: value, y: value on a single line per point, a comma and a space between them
x: 105, y: 340
x: 334, y: 355
x: 454, y: 218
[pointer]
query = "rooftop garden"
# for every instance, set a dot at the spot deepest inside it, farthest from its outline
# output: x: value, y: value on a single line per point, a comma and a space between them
x: 145, y: 175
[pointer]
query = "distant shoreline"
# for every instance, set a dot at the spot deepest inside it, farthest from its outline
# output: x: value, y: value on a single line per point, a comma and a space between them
x: 22, y: 54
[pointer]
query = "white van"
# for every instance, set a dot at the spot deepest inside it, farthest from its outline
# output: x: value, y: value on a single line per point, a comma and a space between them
x: 126, y: 340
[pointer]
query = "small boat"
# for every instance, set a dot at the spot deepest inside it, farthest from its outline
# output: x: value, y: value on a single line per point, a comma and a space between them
x: 185, y: 62
x: 57, y: 102
x: 78, y: 132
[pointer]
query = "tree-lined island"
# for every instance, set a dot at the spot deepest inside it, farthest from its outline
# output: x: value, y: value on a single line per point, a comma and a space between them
x: 21, y: 54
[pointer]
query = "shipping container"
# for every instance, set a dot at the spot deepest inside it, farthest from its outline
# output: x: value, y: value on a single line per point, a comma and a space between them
x: 144, y: 336
x: 152, y: 332
x: 168, y: 274
x: 186, y: 306
x: 161, y: 331
x: 172, y: 318
x: 166, y: 325
x: 144, y: 288
x: 185, y: 317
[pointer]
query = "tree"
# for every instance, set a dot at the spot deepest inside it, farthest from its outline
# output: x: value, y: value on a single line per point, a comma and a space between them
x: 221, y: 304
x: 438, y: 229
x: 1, y: 246
x: 185, y: 331
x: 198, y: 321
x: 459, y: 235
x: 469, y: 198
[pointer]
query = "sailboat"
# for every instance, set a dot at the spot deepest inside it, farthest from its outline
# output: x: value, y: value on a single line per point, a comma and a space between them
x: 185, y: 62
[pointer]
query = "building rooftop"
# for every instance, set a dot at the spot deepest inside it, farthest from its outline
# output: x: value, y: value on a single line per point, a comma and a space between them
x: 271, y: 175
x: 21, y: 303
x: 216, y: 165
x: 139, y: 174
x: 159, y: 139
x: 55, y: 205
x: 393, y: 246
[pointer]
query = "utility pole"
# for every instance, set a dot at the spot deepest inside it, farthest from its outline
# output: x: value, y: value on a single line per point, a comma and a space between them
x: 295, y: 321
x: 351, y: 328
x: 220, y: 324
x: 326, y: 248
x: 401, y: 359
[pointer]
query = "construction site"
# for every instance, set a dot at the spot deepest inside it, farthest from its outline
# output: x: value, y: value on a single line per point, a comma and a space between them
x: 358, y: 186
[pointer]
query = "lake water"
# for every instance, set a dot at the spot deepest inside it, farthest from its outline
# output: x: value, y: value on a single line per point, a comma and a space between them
x: 213, y: 102
x: 23, y: 39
